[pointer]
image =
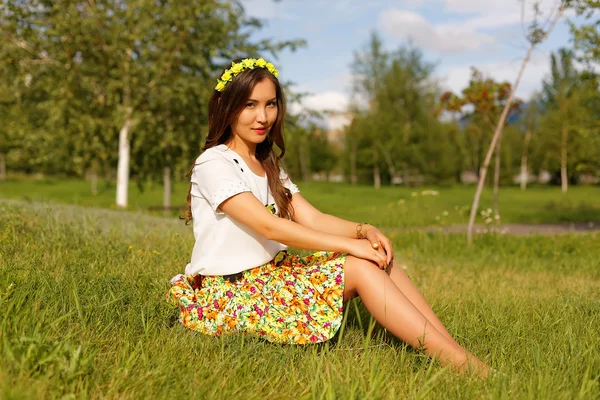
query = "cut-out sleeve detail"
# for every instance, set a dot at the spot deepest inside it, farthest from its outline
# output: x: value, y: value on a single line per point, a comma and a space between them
x: 218, y: 180
x: 287, y: 182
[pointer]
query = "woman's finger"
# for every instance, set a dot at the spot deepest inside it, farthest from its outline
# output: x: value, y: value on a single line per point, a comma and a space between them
x: 381, y: 260
x: 388, y: 250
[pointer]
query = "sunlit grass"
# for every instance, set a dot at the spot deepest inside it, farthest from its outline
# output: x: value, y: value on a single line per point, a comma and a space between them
x: 82, y: 313
x: 388, y: 207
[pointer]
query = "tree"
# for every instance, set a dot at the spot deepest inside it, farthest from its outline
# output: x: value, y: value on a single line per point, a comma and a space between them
x: 587, y: 36
x: 530, y: 124
x: 482, y: 103
x: 124, y: 66
x: 393, y: 94
x: 537, y: 33
x: 562, y: 97
x: 368, y: 69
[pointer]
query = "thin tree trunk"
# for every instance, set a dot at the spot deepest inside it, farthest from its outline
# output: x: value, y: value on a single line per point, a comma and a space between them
x: 388, y: 160
x: 2, y: 167
x: 94, y: 178
x: 563, y: 160
x: 123, y: 165
x: 495, y: 138
x: 124, y: 149
x: 524, y: 169
x: 376, y: 173
x: 496, y: 206
x: 536, y: 40
x: 167, y: 188
x: 304, y: 168
x: 353, y: 175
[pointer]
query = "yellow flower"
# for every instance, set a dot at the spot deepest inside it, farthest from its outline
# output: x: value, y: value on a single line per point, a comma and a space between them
x: 261, y: 63
x: 318, y: 278
x: 275, y: 73
x: 270, y: 67
x: 300, y: 339
x: 226, y: 77
x: 249, y: 63
x: 236, y: 68
x: 220, y: 86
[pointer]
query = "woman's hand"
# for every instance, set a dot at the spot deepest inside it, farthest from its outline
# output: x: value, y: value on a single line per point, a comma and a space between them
x: 379, y: 241
x: 363, y: 249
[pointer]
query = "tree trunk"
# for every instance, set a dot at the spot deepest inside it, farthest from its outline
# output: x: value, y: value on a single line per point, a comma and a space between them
x: 353, y: 174
x: 539, y: 38
x: 524, y: 169
x: 167, y: 188
x: 2, y: 167
x: 495, y: 138
x: 124, y: 149
x: 388, y: 160
x: 496, y: 206
x: 304, y: 168
x: 376, y: 173
x: 94, y: 178
x: 563, y: 160
x: 123, y: 165
x: 376, y: 177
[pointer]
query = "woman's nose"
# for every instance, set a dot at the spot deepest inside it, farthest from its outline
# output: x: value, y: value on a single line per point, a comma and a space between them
x: 261, y: 115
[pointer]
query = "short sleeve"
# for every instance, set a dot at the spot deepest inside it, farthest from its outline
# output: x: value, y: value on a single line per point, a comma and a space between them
x: 287, y: 182
x: 217, y: 180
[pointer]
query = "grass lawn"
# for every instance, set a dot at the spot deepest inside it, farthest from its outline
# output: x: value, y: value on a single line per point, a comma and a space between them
x: 82, y: 311
x: 388, y: 207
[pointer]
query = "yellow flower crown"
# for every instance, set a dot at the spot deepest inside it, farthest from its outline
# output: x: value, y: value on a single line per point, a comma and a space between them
x: 236, y: 68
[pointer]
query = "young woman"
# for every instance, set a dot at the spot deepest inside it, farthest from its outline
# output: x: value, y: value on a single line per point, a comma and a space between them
x: 246, y: 211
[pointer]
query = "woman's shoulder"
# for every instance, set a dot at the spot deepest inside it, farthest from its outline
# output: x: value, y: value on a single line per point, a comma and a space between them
x: 214, y: 153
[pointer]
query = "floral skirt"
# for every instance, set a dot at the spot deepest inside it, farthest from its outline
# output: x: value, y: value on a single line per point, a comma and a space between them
x: 291, y: 299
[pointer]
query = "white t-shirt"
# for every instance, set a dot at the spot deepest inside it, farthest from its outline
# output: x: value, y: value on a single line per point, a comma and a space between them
x: 223, y: 245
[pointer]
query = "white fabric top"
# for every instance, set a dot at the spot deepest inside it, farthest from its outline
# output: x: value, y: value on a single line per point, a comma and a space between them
x: 223, y: 245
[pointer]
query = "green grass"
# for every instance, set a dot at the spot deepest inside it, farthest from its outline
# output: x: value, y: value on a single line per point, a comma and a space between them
x: 82, y: 315
x: 387, y: 207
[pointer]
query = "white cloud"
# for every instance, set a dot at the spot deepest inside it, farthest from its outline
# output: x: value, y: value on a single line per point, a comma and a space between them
x: 441, y: 38
x: 330, y: 100
x: 457, y: 77
x: 334, y: 103
x: 491, y: 14
x: 266, y: 9
x: 474, y: 6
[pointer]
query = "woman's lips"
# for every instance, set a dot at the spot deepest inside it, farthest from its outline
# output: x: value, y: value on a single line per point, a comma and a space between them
x: 260, y: 131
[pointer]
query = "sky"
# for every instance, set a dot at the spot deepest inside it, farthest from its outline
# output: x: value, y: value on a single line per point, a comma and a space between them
x: 453, y: 34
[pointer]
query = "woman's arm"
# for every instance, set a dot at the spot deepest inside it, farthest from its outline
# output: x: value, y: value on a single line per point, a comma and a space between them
x: 307, y: 215
x: 246, y: 208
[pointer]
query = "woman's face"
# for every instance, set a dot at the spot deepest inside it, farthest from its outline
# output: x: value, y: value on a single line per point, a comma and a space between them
x: 258, y: 115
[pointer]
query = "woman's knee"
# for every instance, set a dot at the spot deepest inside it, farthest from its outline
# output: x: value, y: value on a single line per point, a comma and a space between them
x: 356, y: 270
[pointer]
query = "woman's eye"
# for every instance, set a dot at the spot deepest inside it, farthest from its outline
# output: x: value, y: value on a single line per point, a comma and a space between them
x: 272, y: 104
x: 250, y: 105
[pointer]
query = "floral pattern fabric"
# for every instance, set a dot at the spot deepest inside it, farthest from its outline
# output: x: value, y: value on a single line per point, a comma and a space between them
x: 292, y: 299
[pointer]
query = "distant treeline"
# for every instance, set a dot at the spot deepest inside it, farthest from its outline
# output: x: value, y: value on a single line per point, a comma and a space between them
x: 119, y: 87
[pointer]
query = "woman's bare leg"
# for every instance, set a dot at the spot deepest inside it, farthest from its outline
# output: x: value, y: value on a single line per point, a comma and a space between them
x: 411, y: 292
x: 392, y: 309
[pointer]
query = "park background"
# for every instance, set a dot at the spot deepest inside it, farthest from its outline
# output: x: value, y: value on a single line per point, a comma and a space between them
x: 103, y: 108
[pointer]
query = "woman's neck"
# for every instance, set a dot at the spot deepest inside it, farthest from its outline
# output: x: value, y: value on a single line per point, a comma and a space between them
x: 242, y: 147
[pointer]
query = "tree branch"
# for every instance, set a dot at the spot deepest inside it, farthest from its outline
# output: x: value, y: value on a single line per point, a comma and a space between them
x: 42, y: 58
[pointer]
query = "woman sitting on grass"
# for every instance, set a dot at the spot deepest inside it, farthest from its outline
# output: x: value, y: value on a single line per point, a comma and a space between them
x: 246, y: 211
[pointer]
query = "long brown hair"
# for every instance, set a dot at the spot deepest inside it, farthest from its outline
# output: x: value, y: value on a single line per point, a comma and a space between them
x: 223, y: 108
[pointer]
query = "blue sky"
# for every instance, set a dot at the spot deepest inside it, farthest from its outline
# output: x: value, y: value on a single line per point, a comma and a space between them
x: 455, y: 34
